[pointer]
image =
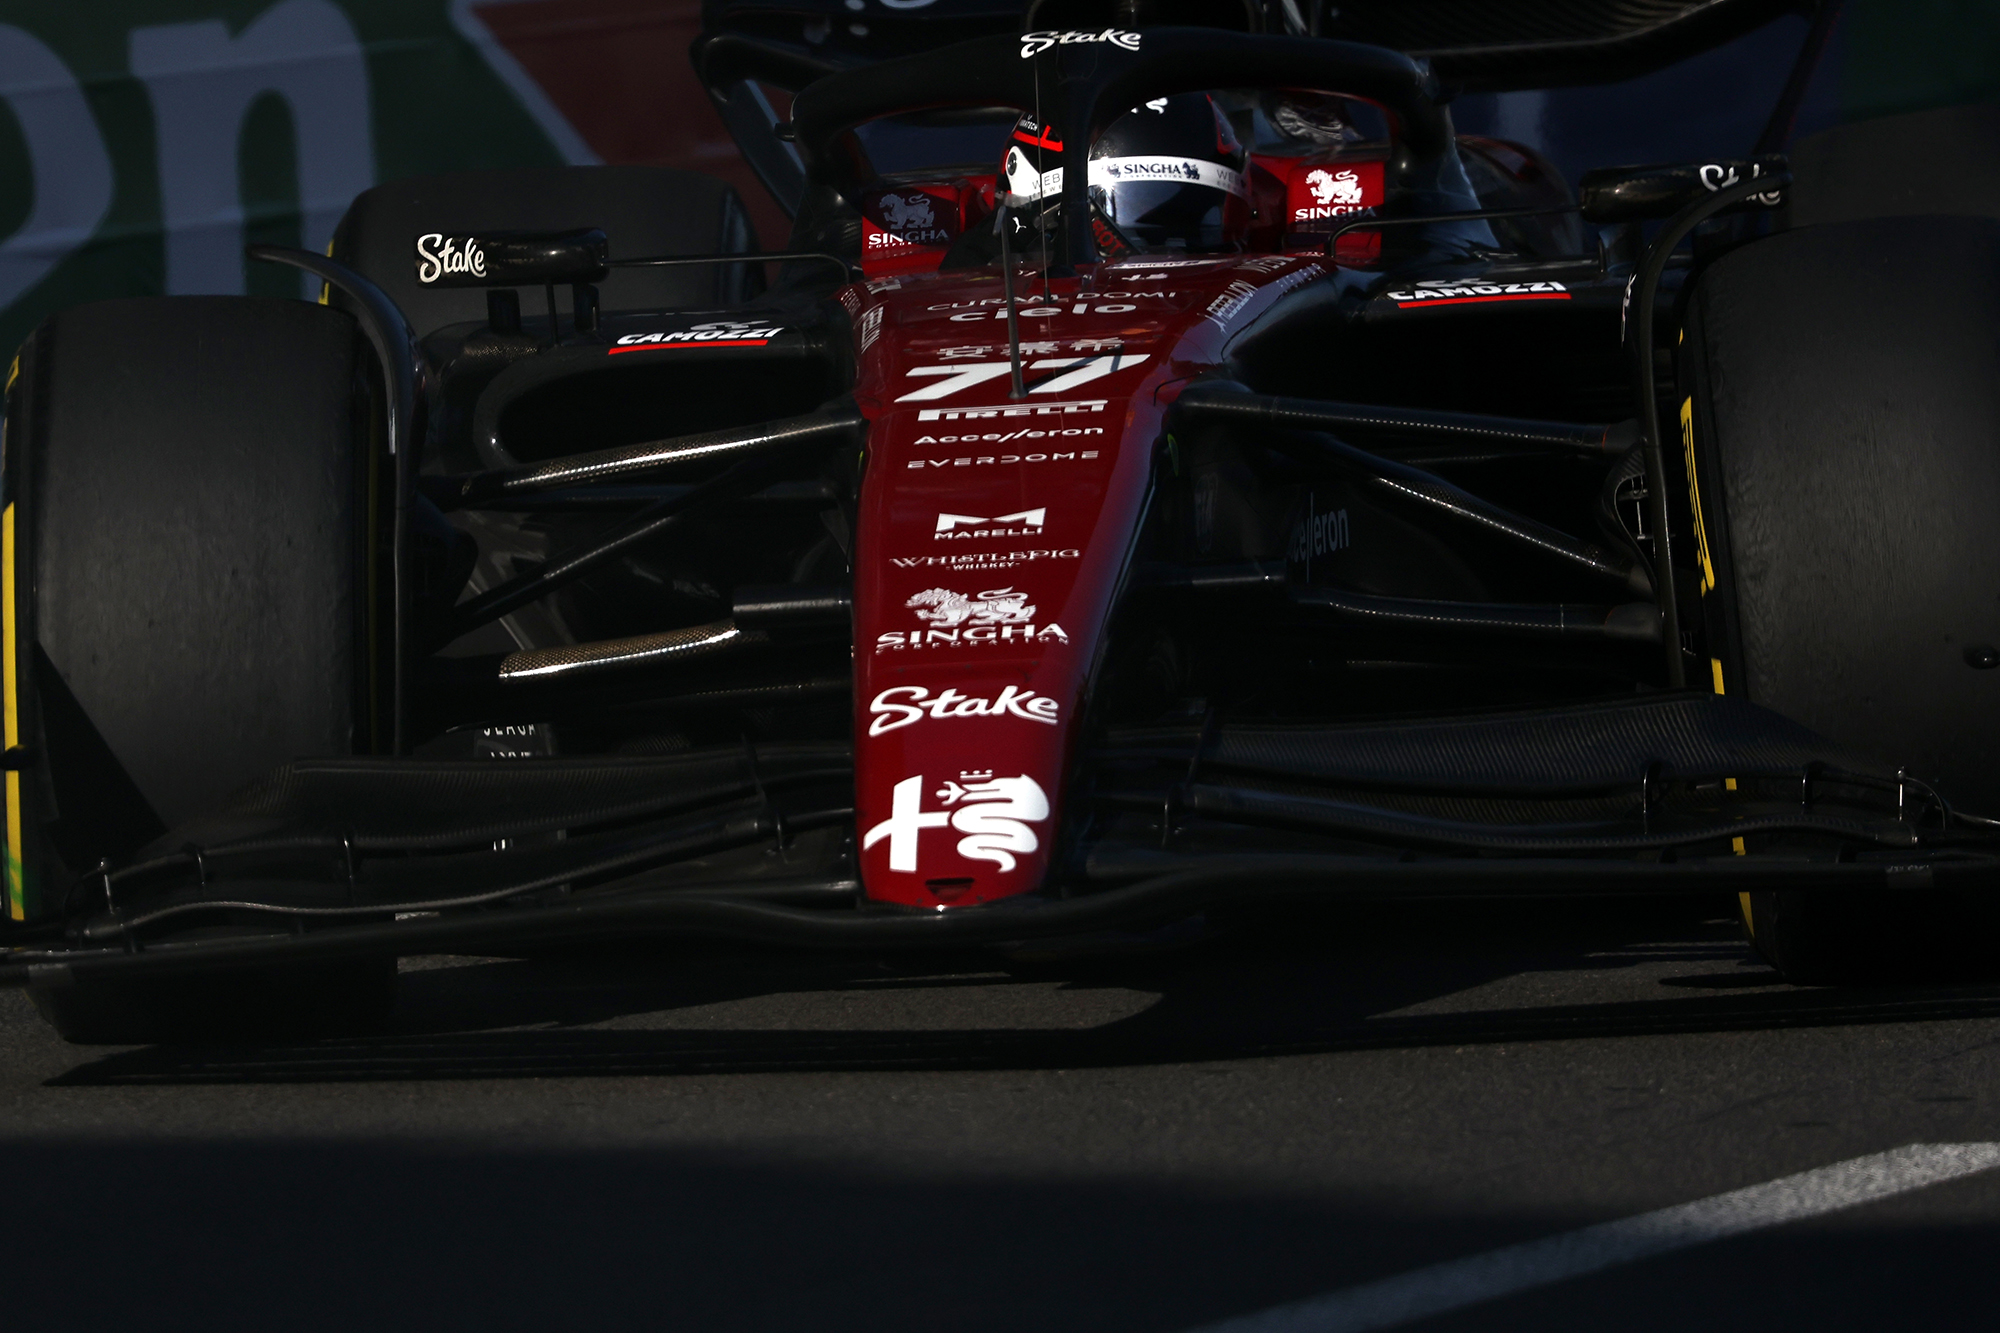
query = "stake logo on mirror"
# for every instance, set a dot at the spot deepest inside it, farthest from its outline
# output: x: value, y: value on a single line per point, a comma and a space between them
x: 440, y: 256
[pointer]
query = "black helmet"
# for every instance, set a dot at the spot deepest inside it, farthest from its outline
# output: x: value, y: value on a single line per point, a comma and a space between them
x: 1166, y: 175
x: 1170, y: 175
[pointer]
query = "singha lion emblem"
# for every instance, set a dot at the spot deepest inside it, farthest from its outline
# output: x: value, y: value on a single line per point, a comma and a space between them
x: 1329, y: 188
x: 996, y: 606
x: 907, y: 212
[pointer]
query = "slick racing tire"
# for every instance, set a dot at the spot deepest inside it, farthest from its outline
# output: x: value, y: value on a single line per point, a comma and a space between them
x: 186, y: 545
x: 1840, y: 396
x: 642, y: 211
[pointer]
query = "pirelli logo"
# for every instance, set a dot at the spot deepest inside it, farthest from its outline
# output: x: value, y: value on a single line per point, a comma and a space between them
x: 1022, y: 409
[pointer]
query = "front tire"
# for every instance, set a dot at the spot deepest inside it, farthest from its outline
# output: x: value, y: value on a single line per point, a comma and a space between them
x: 1841, y: 396
x: 188, y: 516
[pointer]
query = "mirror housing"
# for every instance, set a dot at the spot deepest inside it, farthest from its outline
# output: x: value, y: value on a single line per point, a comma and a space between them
x: 1628, y: 194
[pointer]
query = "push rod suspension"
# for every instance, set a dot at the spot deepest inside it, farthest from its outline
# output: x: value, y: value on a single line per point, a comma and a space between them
x: 1226, y: 403
x: 831, y: 424
x: 1633, y: 622
x: 571, y: 565
x: 1462, y: 427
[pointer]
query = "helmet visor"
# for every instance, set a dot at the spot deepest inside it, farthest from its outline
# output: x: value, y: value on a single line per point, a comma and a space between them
x: 1169, y: 203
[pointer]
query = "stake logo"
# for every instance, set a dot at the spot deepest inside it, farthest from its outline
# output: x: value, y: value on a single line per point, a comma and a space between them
x: 906, y: 705
x: 993, y: 813
x: 440, y: 256
x: 1034, y: 43
x: 1026, y: 523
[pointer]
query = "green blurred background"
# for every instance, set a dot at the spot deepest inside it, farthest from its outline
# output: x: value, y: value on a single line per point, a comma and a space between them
x: 143, y: 142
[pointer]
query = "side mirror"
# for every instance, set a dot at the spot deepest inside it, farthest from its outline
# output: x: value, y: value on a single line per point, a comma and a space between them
x: 512, y: 258
x: 1627, y: 194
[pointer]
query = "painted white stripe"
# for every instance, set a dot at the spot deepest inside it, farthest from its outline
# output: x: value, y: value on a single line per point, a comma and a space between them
x: 1538, y: 1263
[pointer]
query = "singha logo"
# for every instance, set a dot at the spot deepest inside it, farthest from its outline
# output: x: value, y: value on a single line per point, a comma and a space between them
x: 996, y: 606
x: 907, y: 212
x: 1333, y: 187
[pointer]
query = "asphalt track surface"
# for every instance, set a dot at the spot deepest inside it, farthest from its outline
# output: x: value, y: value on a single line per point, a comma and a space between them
x: 1164, y: 1141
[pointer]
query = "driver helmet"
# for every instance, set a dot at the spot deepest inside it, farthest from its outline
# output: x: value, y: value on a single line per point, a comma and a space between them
x: 1167, y: 175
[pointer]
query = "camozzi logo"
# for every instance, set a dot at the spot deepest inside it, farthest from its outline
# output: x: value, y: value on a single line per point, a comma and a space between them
x: 1034, y: 43
x: 994, y: 814
x: 902, y: 706
x: 440, y: 256
x: 957, y: 527
x: 729, y: 332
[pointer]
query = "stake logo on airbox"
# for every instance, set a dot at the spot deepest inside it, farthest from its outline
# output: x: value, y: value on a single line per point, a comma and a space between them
x: 440, y: 257
x: 993, y: 813
x: 902, y: 706
x: 958, y: 527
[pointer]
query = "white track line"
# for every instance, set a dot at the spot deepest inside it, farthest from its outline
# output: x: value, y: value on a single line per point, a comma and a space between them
x: 1537, y: 1263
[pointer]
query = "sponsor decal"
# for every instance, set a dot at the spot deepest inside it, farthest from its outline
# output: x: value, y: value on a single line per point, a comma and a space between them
x: 907, y: 220
x: 993, y: 307
x: 991, y: 460
x: 1034, y: 43
x: 1318, y: 534
x: 987, y: 351
x: 1335, y: 191
x: 1027, y: 184
x: 1179, y: 170
x: 1445, y: 292
x: 1237, y: 295
x: 1034, y: 134
x: 1721, y: 175
x: 953, y: 619
x: 995, y: 606
x: 985, y: 560
x: 957, y: 377
x: 871, y: 327
x: 1021, y: 409
x: 439, y: 256
x: 719, y: 333
x: 993, y: 813
x: 906, y: 705
x: 1122, y: 270
x: 957, y: 527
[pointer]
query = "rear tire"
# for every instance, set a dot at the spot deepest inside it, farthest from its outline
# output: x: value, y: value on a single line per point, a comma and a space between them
x: 188, y: 494
x: 1841, y: 391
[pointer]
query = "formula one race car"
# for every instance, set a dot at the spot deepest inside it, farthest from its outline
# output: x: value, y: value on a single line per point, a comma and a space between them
x: 1169, y: 468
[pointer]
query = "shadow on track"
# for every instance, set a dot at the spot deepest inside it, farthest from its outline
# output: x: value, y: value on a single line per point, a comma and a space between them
x: 1332, y: 982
